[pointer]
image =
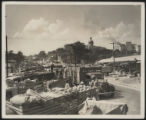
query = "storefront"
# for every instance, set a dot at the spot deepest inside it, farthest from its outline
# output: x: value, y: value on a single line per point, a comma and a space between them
x: 127, y: 64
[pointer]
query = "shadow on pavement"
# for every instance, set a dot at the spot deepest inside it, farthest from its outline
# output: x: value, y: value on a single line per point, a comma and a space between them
x: 117, y: 95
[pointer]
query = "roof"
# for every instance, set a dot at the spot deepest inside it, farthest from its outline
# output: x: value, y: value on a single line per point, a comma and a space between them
x: 13, y: 77
x: 11, y: 61
x: 121, y: 59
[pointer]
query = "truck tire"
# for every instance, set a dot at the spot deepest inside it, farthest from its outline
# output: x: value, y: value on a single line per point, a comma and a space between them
x: 112, y: 89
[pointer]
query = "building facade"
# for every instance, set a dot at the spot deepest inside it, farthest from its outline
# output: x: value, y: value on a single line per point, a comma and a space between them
x: 128, y: 48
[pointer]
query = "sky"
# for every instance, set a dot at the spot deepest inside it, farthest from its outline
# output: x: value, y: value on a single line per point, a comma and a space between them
x: 32, y: 28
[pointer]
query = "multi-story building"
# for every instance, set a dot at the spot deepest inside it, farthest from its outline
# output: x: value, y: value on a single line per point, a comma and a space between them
x: 117, y: 46
x: 137, y: 48
x: 130, y: 47
x: 123, y: 48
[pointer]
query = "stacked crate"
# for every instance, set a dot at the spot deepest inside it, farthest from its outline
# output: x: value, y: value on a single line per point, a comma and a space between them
x: 42, y: 108
x: 73, y: 107
x: 65, y: 104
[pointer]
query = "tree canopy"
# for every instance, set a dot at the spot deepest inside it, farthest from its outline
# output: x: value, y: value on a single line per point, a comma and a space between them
x: 42, y: 55
x: 18, y: 57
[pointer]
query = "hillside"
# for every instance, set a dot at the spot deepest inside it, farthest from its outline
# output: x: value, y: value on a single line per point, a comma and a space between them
x: 79, y: 53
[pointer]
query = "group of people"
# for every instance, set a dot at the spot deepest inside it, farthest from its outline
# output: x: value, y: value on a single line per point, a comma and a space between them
x: 92, y: 83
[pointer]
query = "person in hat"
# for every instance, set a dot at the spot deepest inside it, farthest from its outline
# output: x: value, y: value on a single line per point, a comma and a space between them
x: 96, y: 82
x: 67, y: 83
x: 52, y: 67
x: 81, y: 83
x: 49, y: 86
x: 67, y: 86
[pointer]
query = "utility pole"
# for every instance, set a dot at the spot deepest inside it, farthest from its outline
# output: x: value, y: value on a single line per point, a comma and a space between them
x: 113, y: 55
x: 74, y: 53
x: 56, y: 57
x: 7, y: 55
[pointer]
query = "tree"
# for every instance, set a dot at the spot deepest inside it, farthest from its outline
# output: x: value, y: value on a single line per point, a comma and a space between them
x: 60, y: 50
x: 11, y: 55
x: 19, y: 57
x: 77, y: 51
x: 42, y: 55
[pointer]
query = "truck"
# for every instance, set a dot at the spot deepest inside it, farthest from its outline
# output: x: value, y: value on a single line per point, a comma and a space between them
x: 87, y: 74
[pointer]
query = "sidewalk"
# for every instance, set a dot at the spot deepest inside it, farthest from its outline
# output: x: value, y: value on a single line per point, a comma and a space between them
x: 131, y: 83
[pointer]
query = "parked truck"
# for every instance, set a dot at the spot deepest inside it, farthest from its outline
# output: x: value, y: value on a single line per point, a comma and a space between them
x: 87, y: 74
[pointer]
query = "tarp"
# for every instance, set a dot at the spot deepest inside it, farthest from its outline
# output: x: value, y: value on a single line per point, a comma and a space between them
x: 102, y: 107
x: 120, y: 59
x: 13, y: 77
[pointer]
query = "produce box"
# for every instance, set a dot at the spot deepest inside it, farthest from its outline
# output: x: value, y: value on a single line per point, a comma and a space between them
x: 63, y: 104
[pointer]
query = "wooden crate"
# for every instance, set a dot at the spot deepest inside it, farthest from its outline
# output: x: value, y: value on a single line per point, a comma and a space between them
x: 66, y: 104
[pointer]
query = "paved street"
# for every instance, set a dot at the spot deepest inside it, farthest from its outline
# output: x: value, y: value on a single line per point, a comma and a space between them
x: 131, y: 83
x: 129, y: 96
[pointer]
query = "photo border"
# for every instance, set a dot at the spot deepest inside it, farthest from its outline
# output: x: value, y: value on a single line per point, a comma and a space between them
x: 74, y: 116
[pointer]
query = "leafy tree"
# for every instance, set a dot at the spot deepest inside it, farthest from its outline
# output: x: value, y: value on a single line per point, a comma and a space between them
x: 42, y: 55
x: 77, y: 51
x: 11, y: 55
x: 19, y: 57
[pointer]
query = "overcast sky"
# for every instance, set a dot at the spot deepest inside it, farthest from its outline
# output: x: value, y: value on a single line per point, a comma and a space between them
x: 31, y: 28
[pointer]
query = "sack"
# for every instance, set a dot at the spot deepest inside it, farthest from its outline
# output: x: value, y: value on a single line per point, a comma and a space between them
x: 102, y: 107
x: 67, y: 86
x: 30, y: 92
x: 18, y: 99
x: 9, y: 83
x: 89, y: 109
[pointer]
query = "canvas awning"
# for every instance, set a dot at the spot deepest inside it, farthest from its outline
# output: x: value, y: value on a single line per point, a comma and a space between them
x: 121, y: 59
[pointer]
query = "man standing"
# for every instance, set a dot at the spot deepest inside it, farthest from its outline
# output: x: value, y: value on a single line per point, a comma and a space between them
x: 52, y: 67
x: 49, y: 86
x: 96, y: 82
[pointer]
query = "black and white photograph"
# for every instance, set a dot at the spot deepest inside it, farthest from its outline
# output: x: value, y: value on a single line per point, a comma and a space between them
x: 73, y: 60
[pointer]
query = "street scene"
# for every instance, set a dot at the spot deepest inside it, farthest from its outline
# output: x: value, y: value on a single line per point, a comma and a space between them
x: 73, y: 60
